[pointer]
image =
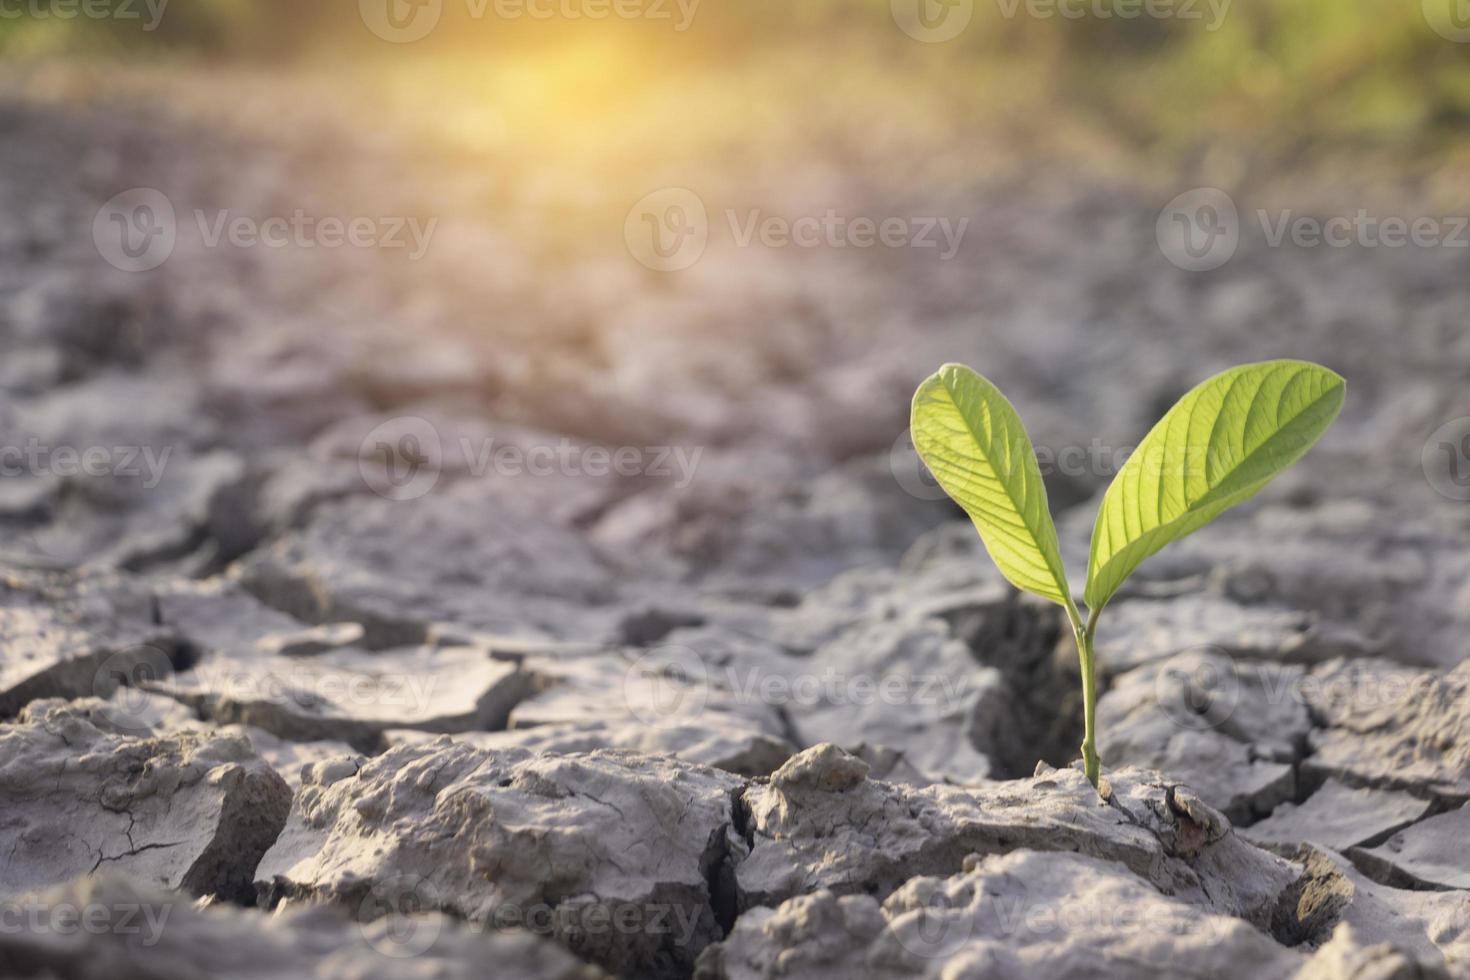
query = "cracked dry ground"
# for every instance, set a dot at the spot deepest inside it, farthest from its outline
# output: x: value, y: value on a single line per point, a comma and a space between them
x: 574, y: 725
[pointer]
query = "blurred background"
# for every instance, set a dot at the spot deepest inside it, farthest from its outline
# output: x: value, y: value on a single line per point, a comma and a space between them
x: 1284, y: 78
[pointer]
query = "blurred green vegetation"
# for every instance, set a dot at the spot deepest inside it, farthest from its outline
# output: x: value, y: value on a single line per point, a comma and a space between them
x: 1275, y: 75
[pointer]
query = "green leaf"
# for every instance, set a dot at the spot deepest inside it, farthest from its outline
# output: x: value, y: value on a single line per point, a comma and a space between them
x: 973, y: 442
x: 1217, y: 447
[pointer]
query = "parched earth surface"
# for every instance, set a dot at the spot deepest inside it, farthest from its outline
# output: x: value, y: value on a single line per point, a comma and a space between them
x: 370, y: 616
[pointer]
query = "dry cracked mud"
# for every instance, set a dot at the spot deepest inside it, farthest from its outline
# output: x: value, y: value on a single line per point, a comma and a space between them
x: 322, y: 695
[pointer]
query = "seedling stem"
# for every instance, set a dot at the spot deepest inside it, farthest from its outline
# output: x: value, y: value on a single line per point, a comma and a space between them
x: 1083, y: 635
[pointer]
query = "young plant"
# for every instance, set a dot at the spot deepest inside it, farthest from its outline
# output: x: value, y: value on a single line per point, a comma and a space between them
x: 1217, y: 447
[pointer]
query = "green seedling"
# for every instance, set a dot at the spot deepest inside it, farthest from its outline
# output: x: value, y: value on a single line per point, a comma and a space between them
x: 1217, y: 447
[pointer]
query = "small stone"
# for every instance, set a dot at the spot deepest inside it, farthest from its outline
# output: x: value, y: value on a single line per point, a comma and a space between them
x: 824, y: 767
